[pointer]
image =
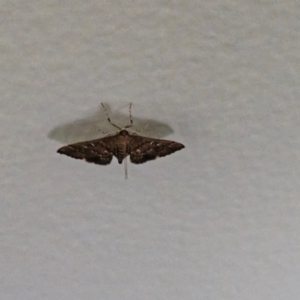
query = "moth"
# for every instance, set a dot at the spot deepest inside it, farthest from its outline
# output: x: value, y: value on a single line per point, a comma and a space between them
x: 121, y: 144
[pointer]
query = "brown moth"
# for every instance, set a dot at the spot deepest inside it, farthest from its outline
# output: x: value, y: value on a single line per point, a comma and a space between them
x: 140, y: 149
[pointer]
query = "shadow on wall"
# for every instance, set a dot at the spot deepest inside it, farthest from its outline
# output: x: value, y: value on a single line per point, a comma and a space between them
x: 90, y: 128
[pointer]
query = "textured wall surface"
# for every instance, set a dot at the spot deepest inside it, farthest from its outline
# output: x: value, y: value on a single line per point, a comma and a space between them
x: 217, y: 220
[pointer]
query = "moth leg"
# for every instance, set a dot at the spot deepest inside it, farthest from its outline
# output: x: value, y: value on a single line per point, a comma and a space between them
x: 137, y: 131
x: 142, y: 129
x: 105, y: 133
x: 100, y: 130
x: 108, y: 118
x: 130, y: 117
x: 126, y: 168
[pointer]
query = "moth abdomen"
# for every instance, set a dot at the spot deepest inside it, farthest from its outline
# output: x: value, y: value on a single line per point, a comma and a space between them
x: 121, y: 152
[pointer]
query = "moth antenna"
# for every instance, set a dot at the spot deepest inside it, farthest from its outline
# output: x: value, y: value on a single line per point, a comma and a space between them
x: 130, y: 117
x: 108, y: 118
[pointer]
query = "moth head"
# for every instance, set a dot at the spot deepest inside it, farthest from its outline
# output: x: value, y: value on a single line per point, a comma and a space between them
x: 123, y: 132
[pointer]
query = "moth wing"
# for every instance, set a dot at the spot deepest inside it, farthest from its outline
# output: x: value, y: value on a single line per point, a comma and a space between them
x: 144, y: 149
x: 94, y: 151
